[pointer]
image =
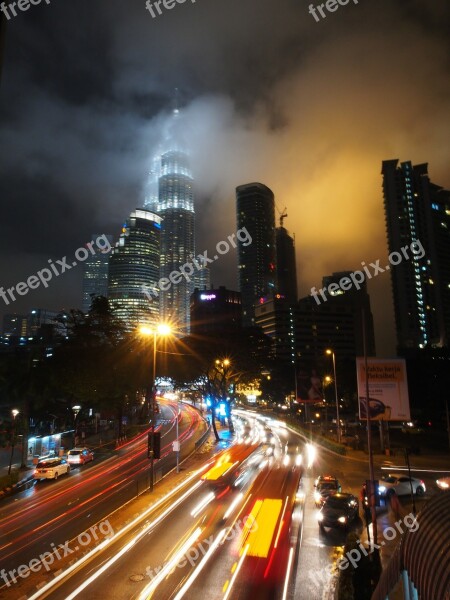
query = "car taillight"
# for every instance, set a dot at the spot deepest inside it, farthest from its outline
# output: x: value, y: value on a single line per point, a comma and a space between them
x: 422, y: 482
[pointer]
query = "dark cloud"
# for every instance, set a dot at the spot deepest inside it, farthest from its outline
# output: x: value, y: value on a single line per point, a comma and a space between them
x: 311, y: 109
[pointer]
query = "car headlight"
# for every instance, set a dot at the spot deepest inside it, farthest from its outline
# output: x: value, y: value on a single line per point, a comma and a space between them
x: 382, y: 489
x: 342, y: 519
x: 317, y: 497
x: 320, y: 517
x: 442, y: 484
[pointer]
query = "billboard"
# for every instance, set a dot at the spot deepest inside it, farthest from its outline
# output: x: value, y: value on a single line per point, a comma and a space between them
x: 309, y: 386
x: 388, y: 389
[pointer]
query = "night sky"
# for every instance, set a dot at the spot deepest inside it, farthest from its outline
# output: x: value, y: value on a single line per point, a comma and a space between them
x: 268, y: 94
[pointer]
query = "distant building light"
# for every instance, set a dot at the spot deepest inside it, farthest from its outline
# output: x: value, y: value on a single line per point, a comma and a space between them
x: 208, y: 296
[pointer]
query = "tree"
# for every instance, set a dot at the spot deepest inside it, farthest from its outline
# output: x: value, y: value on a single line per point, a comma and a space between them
x: 215, y: 365
x: 99, y: 363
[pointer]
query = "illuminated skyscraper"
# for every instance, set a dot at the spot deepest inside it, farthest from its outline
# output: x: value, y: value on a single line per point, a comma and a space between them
x: 257, y: 261
x: 418, y: 211
x: 173, y: 201
x: 133, y: 268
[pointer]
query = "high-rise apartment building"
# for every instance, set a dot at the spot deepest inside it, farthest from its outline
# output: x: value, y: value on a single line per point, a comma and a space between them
x: 134, y: 270
x: 418, y: 221
x: 286, y: 265
x: 95, y: 274
x: 257, y: 261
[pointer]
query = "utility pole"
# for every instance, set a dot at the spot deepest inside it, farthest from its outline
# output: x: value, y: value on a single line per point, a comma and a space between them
x: 371, y: 492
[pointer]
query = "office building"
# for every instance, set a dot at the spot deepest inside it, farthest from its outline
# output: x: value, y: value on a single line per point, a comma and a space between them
x: 417, y: 216
x: 95, y: 274
x: 286, y: 264
x: 15, y: 326
x: 304, y: 330
x: 202, y: 278
x: 256, y: 261
x: 134, y: 271
x: 359, y: 303
x: 215, y: 311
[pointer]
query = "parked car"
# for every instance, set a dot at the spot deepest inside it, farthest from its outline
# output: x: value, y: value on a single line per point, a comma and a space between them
x: 400, y: 485
x: 338, y: 510
x: 51, y: 468
x: 329, y: 485
x: 443, y: 483
x: 79, y: 456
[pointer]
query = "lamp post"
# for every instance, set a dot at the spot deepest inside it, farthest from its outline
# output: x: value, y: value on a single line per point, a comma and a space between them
x: 178, y: 438
x: 160, y: 330
x: 76, y: 409
x: 14, y: 412
x: 326, y: 382
x: 331, y: 352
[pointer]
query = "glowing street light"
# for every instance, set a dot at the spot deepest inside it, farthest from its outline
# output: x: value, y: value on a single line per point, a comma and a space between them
x: 161, y: 330
x: 338, y: 421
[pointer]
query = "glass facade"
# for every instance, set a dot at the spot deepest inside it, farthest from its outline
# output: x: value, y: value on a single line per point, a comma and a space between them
x: 134, y: 271
x: 257, y: 261
x: 95, y: 274
x: 418, y: 210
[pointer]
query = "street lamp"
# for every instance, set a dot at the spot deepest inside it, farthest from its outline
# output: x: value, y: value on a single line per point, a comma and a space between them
x: 76, y: 409
x: 162, y: 329
x: 14, y: 412
x: 331, y: 352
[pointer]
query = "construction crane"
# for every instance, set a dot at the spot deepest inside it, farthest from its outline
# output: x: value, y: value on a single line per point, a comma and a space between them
x: 283, y: 215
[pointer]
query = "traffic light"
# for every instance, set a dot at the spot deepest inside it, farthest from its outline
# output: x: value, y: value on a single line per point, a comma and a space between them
x: 156, y: 445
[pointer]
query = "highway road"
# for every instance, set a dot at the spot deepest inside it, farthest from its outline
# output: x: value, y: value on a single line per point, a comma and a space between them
x: 242, y: 524
x: 44, y: 517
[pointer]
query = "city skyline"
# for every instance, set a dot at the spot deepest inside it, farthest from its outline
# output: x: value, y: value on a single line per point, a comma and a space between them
x: 312, y: 123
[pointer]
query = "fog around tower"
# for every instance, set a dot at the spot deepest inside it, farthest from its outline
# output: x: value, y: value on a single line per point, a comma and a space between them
x: 266, y: 94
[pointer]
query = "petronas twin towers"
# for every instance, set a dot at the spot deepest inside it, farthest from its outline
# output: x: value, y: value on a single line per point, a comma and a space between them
x: 151, y: 273
x: 171, y: 197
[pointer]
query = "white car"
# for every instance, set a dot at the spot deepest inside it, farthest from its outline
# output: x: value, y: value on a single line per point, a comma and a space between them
x: 400, y: 485
x: 79, y: 456
x: 51, y: 468
x: 443, y: 483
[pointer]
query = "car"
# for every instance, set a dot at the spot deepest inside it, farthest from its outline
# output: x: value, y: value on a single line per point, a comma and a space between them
x: 51, y: 468
x: 324, y: 489
x: 79, y: 456
x: 323, y: 478
x: 338, y: 511
x: 400, y: 485
x: 443, y: 483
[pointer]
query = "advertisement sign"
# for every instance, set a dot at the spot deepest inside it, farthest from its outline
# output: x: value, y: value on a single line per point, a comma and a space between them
x: 388, y: 389
x: 309, y: 386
